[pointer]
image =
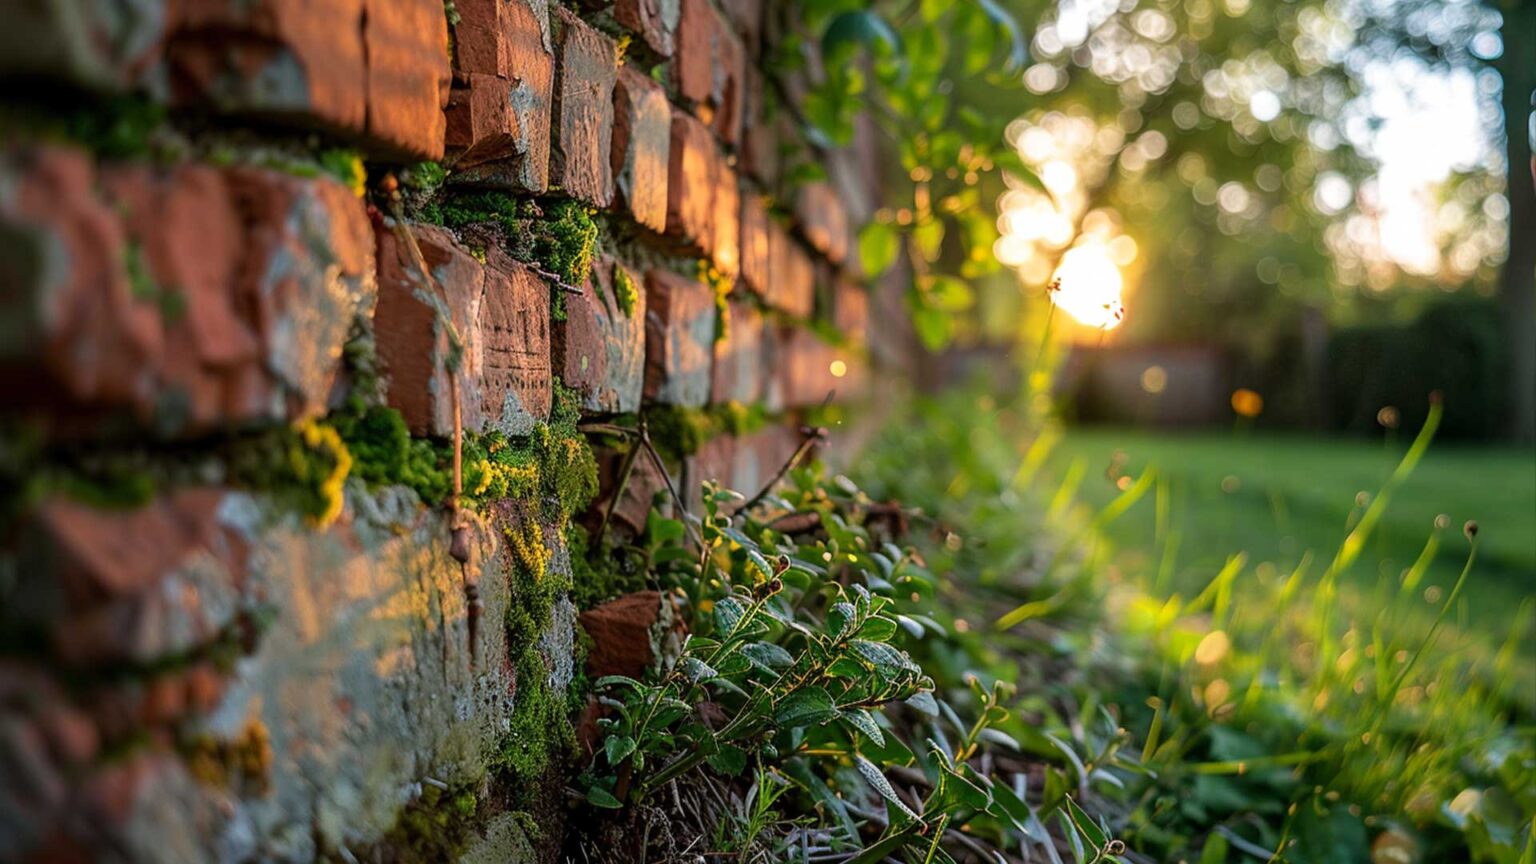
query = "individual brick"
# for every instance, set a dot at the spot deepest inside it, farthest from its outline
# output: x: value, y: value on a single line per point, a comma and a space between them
x: 584, y: 80
x: 130, y: 586
x: 645, y: 490
x: 406, y: 46
x: 679, y: 339
x: 725, y: 249
x: 600, y: 347
x: 302, y: 61
x: 413, y: 343
x: 189, y: 240
x: 804, y: 364
x: 691, y: 177
x: 479, y: 119
x: 642, y: 131
x: 708, y: 68
x: 76, y: 330
x: 309, y: 275
x: 740, y: 364
x: 761, y: 145
x: 794, y: 274
x: 755, y: 253
x: 514, y: 326
x: 480, y: 43
x: 823, y: 220
x: 227, y: 301
x: 100, y: 45
x: 506, y: 136
x: 655, y: 20
x: 850, y: 310
x: 628, y: 634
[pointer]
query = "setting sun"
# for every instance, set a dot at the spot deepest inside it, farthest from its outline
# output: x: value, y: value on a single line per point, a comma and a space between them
x: 1090, y: 286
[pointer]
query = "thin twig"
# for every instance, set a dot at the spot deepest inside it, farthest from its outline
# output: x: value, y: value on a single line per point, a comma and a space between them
x: 813, y: 436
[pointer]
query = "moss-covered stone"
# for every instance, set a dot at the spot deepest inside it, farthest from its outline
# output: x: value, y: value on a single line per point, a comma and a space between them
x: 559, y: 237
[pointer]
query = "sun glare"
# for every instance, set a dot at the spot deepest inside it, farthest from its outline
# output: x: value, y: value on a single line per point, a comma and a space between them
x: 1090, y: 286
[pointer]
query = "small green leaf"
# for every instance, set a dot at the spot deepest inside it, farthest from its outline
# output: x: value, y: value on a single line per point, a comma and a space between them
x: 878, y: 629
x: 767, y: 656
x: 878, y: 246
x: 617, y: 747
x: 812, y: 706
x: 697, y: 670
x: 602, y: 798
x: 729, y: 613
x: 864, y: 722
x: 729, y: 760
x: 876, y: 779
x: 923, y: 701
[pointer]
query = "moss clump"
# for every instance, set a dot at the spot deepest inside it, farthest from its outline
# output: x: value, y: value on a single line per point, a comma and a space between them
x: 305, y: 464
x: 347, y: 166
x: 720, y: 284
x: 540, y: 727
x: 625, y: 292
x: 596, y: 574
x: 437, y: 826
x: 559, y: 237
x: 679, y: 432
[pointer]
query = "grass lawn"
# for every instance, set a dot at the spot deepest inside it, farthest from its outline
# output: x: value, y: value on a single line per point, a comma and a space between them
x: 1276, y: 497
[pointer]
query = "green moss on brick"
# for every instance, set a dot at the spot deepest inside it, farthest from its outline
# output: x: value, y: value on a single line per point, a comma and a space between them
x: 625, y: 292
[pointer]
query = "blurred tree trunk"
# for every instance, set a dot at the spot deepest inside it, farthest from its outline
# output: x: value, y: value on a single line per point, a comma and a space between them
x: 1517, y: 284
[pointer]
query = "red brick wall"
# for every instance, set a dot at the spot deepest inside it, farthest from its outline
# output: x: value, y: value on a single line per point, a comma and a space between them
x: 191, y: 256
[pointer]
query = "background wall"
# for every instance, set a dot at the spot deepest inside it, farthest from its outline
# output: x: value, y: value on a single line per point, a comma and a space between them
x: 259, y: 255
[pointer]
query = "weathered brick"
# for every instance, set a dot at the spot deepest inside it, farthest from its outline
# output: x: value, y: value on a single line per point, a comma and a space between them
x: 793, y: 286
x: 850, y: 310
x: 309, y: 273
x: 679, y: 339
x: 227, y: 302
x: 599, y: 349
x: 406, y: 46
x: 823, y: 220
x: 521, y: 55
x: 691, y: 177
x: 761, y: 146
x: 73, y: 315
x: 755, y: 253
x: 480, y: 45
x: 645, y: 490
x: 642, y: 131
x: 514, y: 366
x: 412, y: 341
x: 725, y: 250
x: 740, y: 364
x: 584, y: 80
x: 625, y: 634
x: 130, y: 586
x: 802, y: 369
x: 189, y: 241
x: 655, y: 20
x: 303, y: 61
x: 708, y: 67
x: 479, y: 119
x: 100, y: 45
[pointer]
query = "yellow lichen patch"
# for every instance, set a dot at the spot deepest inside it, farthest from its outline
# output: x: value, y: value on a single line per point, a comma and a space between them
x: 529, y: 550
